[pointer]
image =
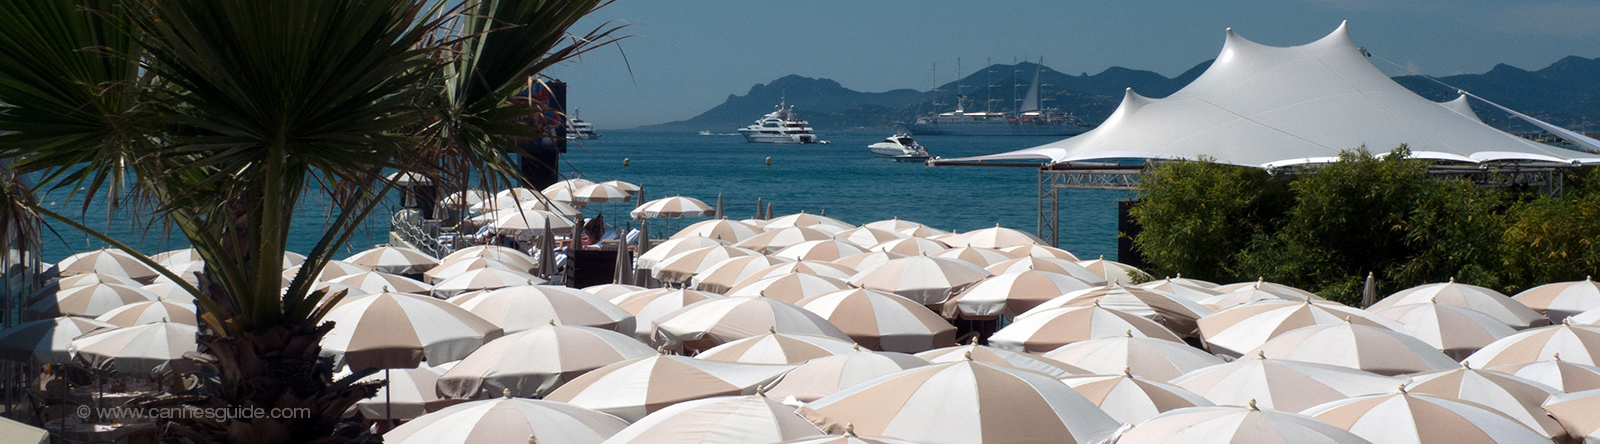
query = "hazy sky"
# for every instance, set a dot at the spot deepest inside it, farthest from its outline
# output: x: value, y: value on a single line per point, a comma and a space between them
x: 688, y: 56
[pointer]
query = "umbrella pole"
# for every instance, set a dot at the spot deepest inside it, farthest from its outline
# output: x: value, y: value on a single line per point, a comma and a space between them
x: 388, y: 393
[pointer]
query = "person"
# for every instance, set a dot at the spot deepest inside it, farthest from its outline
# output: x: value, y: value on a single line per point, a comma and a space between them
x: 594, y: 229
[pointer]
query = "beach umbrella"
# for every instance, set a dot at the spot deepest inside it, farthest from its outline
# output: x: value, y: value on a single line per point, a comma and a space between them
x: 462, y: 200
x: 672, y: 208
x: 719, y: 420
x: 1039, y: 251
x: 1282, y: 384
x: 563, y: 195
x: 525, y: 307
x: 332, y: 270
x: 86, y: 279
x: 1456, y: 331
x: 483, y: 279
x: 397, y: 260
x: 630, y: 188
x: 1407, y: 418
x: 405, y: 394
x: 1232, y: 332
x: 1518, y: 398
x: 149, y: 313
x: 634, y: 388
x: 777, y: 348
x: 722, y: 229
x: 977, y: 403
x: 573, y: 183
x: 1180, y: 290
x: 982, y: 257
x: 997, y: 237
x: 827, y: 375
x: 508, y: 420
x: 1176, y: 314
x: 864, y: 261
x: 927, y: 280
x: 88, y: 301
x: 1180, y: 280
x: 1048, y: 265
x: 868, y: 237
x: 1130, y: 399
x: 46, y: 340
x: 1555, y: 373
x: 1575, y: 412
x: 650, y: 260
x: 140, y: 349
x: 1591, y: 317
x: 170, y: 292
x: 713, y: 322
x: 378, y: 282
x: 1253, y: 294
x: 611, y: 292
x: 1262, y: 284
x: 1003, y: 358
x: 1228, y: 424
x: 722, y: 276
x: 1471, y: 297
x: 1374, y: 349
x: 452, y: 269
x: 397, y: 330
x: 1152, y: 359
x: 775, y: 240
x: 1010, y: 294
x: 906, y: 227
x: 600, y: 193
x: 172, y: 257
x: 849, y: 437
x: 910, y: 246
x: 1557, y: 301
x: 503, y: 254
x: 189, y: 272
x: 814, y: 268
x: 882, y: 321
x: 1047, y: 330
x: 819, y: 250
x: 1575, y: 343
x: 532, y: 363
x: 648, y: 306
x: 788, y: 287
x: 683, y: 266
x: 813, y: 221
x: 106, y: 261
x: 22, y: 433
x: 529, y: 224
x: 1113, y: 271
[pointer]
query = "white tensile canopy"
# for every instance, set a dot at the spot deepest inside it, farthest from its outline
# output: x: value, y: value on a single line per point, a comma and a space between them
x: 1270, y: 106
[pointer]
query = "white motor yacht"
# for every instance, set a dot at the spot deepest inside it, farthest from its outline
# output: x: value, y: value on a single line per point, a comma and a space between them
x: 899, y: 147
x: 779, y: 126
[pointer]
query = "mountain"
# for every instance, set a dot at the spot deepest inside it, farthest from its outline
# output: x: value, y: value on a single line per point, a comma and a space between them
x: 1566, y: 93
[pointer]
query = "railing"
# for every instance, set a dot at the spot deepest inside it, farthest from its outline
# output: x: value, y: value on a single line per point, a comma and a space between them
x: 421, y: 234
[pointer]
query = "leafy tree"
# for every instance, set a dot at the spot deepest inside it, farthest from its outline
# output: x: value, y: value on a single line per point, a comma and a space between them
x: 1194, y: 213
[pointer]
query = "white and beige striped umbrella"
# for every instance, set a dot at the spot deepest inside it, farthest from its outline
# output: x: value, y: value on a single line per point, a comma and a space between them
x: 977, y: 402
x: 633, y: 389
x: 601, y: 193
x: 720, y: 420
x: 788, y: 287
x: 611, y: 292
x: 1456, y: 331
x: 573, y: 183
x: 982, y: 257
x: 334, y: 269
x: 1047, y: 330
x: 997, y: 237
x: 864, y: 261
x: 927, y: 280
x: 532, y: 363
x: 408, y: 394
x: 682, y: 267
x: 713, y: 322
x: 1515, y: 397
x: 172, y: 257
x: 807, y: 220
x: 1591, y: 317
x: 827, y: 375
x: 868, y: 237
x: 1233, y: 331
x: 776, y: 240
x: 452, y: 269
x: 378, y: 282
x: 1374, y: 349
x: 1113, y: 271
x: 1253, y: 294
x: 1153, y: 359
x: 652, y: 259
x: 525, y: 307
x: 462, y: 200
x: 82, y: 280
x: 503, y: 254
x: 1179, y: 289
x: 397, y: 330
x: 169, y: 292
x: 906, y: 227
x: 1049, y: 265
x: 1039, y: 251
x: 1555, y: 373
x: 1230, y: 425
x: 390, y: 259
x: 1415, y: 418
x: 630, y: 188
x: 140, y: 349
x: 149, y: 313
x: 508, y: 420
x: 46, y: 340
x: 1282, y: 384
x: 561, y: 194
x: 87, y: 301
x: 517, y: 194
x: 530, y: 224
x: 1130, y: 399
x: 777, y: 348
x: 189, y: 272
x: 849, y: 437
x: 815, y: 268
x: 106, y: 261
x: 722, y: 276
x: 1575, y: 343
x: 1002, y: 357
x: 1471, y: 297
x: 648, y: 306
x: 554, y: 206
x: 1180, y: 280
x: 1271, y: 287
x: 1176, y: 314
x: 483, y: 279
x: 1557, y: 301
x: 882, y: 321
x: 1010, y: 294
x: 723, y: 229
x: 672, y: 208
x: 911, y: 246
x: 819, y: 250
x: 1575, y: 412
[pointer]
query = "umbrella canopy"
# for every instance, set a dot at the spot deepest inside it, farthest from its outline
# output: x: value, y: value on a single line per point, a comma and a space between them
x: 1045, y: 264
x: 1285, y: 291
x: 1152, y: 359
x: 172, y: 257
x: 332, y: 270
x: 407, y: 394
x: 906, y: 227
x: 93, y: 278
x: 927, y: 280
x: 107, y: 262
x: 1039, y: 251
x: 630, y: 188
x: 169, y: 292
x: 1557, y: 374
x: 776, y: 240
x: 709, y: 323
x: 827, y: 375
x: 1234, y: 331
x: 1176, y: 314
x: 1130, y: 399
x: 503, y: 254
x: 789, y: 287
x: 1591, y: 317
x: 864, y: 261
x: 529, y: 224
x: 982, y: 257
x: 1559, y: 300
x: 719, y: 420
x: 813, y: 221
x: 140, y: 349
x: 1515, y: 397
x: 882, y: 321
x: 573, y: 183
x: 1047, y: 330
x: 149, y: 313
x: 1580, y: 344
x: 525, y: 307
x: 868, y: 237
x: 1113, y: 271
x: 1471, y: 297
x: 672, y: 208
x: 452, y: 269
x: 910, y: 246
x: 483, y: 279
x: 611, y: 292
x: 1456, y: 331
x: 1404, y: 418
x: 189, y: 272
x: 21, y: 433
x: 777, y: 348
x: 397, y: 260
x: 977, y: 403
x: 508, y: 421
x: 462, y: 200
x: 1282, y: 384
x: 632, y: 389
x: 46, y: 339
x: 997, y: 237
x: 561, y: 194
x: 652, y: 259
x: 819, y: 250
x: 1374, y: 349
x: 1252, y: 294
x: 649, y: 306
x: 1003, y: 358
x: 533, y: 363
x: 88, y: 301
x: 1010, y: 294
x: 601, y: 193
x: 396, y: 330
x: 684, y: 266
x: 1179, y: 289
x: 1224, y: 425
x: 516, y: 194
x: 379, y: 282
x: 1575, y: 411
x: 721, y: 229
x: 815, y: 268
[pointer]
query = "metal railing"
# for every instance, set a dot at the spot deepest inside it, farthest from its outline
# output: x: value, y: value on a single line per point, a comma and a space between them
x: 421, y: 234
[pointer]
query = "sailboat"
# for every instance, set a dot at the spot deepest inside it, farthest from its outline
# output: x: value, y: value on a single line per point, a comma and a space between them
x: 1030, y: 119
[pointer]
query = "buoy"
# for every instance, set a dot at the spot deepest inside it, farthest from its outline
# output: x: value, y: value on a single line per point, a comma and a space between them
x: 769, y: 160
x: 626, y: 161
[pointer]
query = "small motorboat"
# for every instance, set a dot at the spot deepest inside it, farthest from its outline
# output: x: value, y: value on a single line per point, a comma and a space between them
x: 900, y: 147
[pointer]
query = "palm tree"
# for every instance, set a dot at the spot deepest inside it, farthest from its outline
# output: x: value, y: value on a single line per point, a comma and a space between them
x: 228, y: 111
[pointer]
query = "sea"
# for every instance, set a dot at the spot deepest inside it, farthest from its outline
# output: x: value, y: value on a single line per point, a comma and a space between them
x: 840, y: 179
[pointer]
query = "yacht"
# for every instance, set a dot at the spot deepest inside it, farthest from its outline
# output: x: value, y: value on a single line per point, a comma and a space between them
x: 899, y: 147
x: 577, y: 129
x: 779, y: 126
x: 1030, y: 119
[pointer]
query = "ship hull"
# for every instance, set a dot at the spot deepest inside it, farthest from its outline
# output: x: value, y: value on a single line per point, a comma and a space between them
x: 995, y: 129
x: 789, y: 139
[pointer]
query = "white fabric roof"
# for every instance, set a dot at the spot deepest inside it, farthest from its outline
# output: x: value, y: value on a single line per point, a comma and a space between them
x: 1270, y: 106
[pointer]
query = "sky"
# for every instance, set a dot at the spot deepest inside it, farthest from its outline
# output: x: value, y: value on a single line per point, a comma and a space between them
x: 686, y: 56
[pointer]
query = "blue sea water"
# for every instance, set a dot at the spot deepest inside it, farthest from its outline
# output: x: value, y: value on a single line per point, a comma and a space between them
x: 840, y: 179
